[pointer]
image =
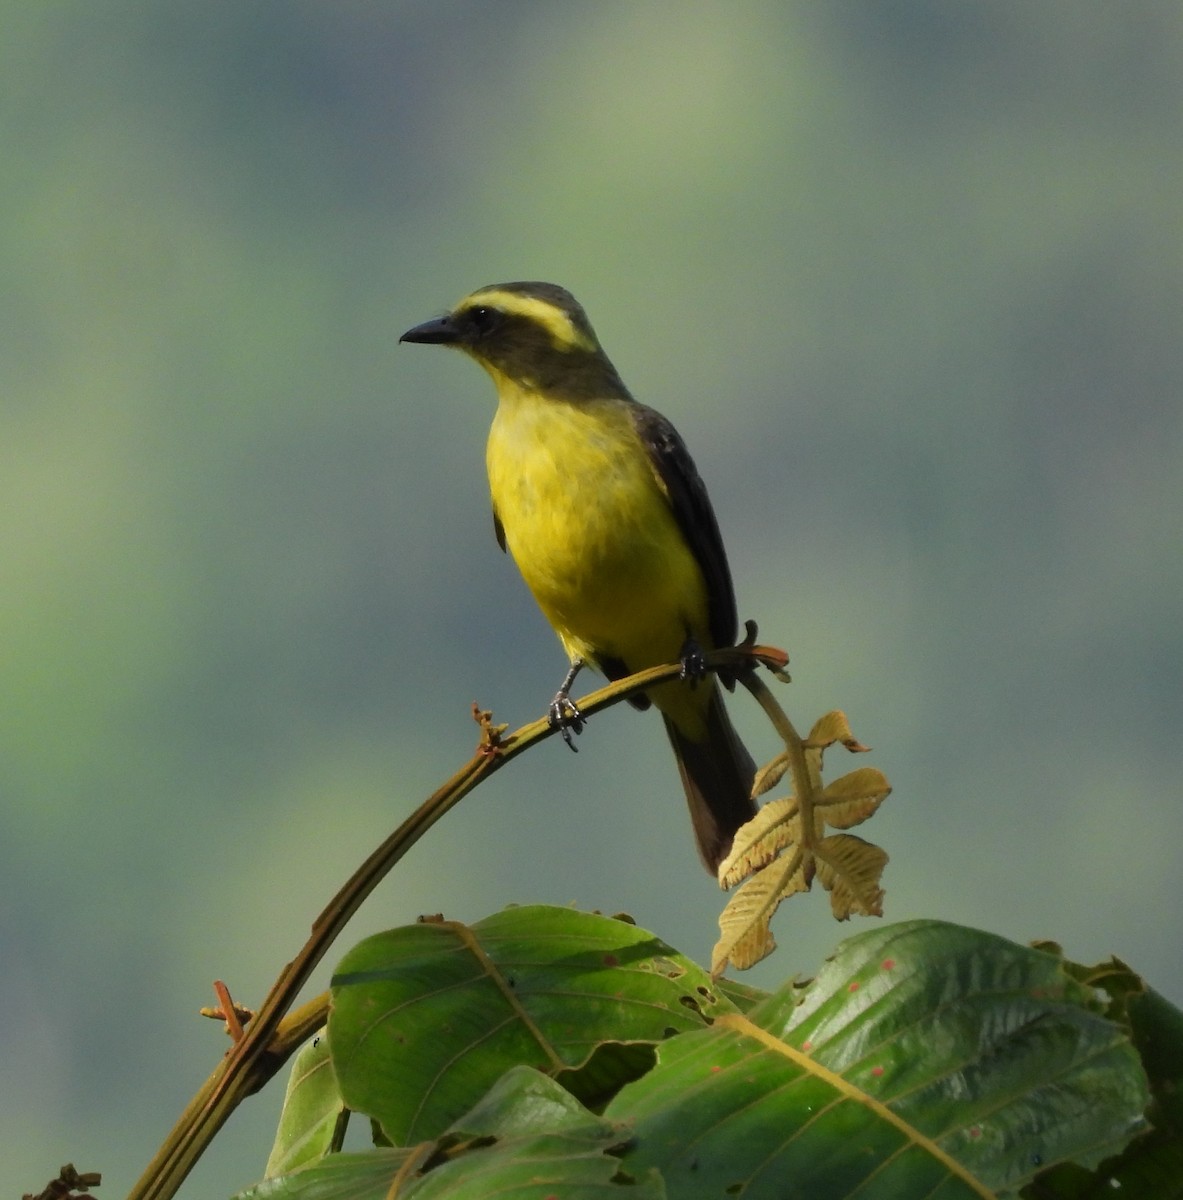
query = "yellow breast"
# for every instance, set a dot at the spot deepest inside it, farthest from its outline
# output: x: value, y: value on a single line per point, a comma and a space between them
x: 590, y: 527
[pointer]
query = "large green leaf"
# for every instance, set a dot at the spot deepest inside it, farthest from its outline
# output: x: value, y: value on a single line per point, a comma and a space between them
x: 528, y: 1138
x: 365, y: 1176
x: 425, y: 1019
x: 924, y: 1060
x: 1151, y: 1167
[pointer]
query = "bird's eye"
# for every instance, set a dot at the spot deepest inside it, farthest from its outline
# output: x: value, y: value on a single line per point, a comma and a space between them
x: 482, y: 318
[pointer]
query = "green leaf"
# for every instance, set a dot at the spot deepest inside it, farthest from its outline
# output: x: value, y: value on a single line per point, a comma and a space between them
x: 1150, y: 1167
x: 534, y: 1139
x: 313, y: 1111
x: 527, y: 1138
x: 426, y: 1018
x: 365, y: 1176
x: 924, y: 1060
x: 743, y: 995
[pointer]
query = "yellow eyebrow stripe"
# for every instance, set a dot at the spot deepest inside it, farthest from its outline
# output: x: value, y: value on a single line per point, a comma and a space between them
x: 564, y: 333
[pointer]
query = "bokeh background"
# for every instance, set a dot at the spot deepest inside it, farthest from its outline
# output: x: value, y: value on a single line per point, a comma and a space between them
x: 906, y: 274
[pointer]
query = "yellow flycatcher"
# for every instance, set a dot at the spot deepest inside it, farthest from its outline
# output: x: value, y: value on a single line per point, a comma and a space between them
x: 600, y: 504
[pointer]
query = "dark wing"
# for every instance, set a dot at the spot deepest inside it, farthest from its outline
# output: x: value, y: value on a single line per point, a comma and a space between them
x: 499, y: 530
x: 692, y: 510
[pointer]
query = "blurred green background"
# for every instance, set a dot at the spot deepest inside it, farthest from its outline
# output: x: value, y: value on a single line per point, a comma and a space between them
x: 907, y: 276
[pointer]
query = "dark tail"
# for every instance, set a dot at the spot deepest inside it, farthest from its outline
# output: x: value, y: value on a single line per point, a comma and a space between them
x: 717, y: 773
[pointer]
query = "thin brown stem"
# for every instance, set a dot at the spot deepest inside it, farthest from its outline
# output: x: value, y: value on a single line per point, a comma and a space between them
x: 803, y: 788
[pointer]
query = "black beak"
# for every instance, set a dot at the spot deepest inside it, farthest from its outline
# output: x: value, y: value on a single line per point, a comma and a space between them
x: 438, y: 332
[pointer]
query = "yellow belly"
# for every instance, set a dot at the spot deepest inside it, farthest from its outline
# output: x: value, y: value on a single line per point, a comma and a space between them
x: 592, y: 532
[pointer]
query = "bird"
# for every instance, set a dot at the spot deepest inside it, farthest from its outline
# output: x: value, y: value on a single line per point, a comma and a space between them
x: 599, y: 503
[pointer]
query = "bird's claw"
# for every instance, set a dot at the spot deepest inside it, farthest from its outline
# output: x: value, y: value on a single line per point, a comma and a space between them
x: 564, y: 715
x: 693, y: 660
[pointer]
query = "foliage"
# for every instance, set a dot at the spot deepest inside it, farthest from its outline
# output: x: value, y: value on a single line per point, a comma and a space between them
x: 550, y: 1052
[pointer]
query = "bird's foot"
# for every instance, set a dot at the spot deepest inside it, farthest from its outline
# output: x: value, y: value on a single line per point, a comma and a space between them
x: 563, y: 713
x: 693, y: 660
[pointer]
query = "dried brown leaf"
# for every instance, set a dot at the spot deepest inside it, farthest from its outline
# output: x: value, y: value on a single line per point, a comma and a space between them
x: 744, y: 925
x: 850, y: 869
x: 758, y: 842
x: 852, y: 798
x: 785, y: 847
x: 831, y: 728
x: 768, y: 776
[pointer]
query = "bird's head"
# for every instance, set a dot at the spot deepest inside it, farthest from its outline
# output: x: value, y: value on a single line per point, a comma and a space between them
x: 536, y: 335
